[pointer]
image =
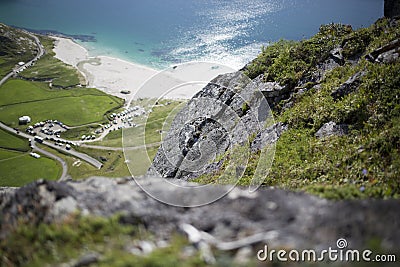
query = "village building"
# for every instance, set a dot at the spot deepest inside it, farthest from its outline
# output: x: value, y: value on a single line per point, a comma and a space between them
x: 24, y: 120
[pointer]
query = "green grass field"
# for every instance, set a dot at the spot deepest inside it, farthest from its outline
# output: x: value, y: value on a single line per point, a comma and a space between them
x: 51, y: 68
x: 113, y: 139
x: 114, y: 166
x: 141, y: 160
x: 17, y: 91
x: 70, y: 110
x: 12, y: 142
x: 73, y: 107
x: 18, y: 169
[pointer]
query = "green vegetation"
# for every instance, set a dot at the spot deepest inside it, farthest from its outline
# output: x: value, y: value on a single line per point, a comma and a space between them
x: 113, y: 163
x: 113, y: 139
x: 77, y: 236
x: 77, y: 132
x: 142, y: 159
x: 18, y: 169
x: 15, y: 46
x: 49, y: 68
x: 288, y: 61
x: 364, y: 163
x: 13, y: 142
x: 73, y: 107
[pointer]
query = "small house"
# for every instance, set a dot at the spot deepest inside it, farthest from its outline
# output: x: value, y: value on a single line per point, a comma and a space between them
x: 24, y: 120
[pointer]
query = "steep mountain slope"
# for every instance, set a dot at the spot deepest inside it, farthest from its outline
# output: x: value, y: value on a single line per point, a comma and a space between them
x: 335, y: 98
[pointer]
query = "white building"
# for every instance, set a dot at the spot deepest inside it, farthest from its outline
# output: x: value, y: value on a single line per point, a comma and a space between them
x: 24, y: 120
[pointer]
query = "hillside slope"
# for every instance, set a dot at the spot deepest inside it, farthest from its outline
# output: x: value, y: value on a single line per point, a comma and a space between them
x: 15, y: 46
x: 335, y: 100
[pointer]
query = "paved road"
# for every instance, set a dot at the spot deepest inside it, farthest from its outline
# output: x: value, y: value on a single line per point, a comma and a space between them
x: 8, y: 76
x: 76, y: 154
x: 71, y: 152
x: 28, y: 64
x: 82, y: 156
x: 64, y: 175
x: 44, y: 152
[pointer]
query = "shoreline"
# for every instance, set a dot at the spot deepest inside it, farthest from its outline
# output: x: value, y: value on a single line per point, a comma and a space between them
x: 115, y: 76
x: 108, y: 74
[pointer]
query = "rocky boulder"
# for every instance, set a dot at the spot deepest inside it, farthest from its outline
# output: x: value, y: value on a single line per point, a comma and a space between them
x: 331, y: 128
x: 275, y: 217
x: 273, y: 91
x: 337, y: 56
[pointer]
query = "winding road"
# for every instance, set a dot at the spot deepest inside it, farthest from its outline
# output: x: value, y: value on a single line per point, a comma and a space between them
x: 64, y: 165
x: 33, y: 143
x: 64, y: 175
x: 71, y: 152
x: 28, y: 64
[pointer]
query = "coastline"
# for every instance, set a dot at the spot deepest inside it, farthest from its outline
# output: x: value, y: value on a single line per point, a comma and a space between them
x: 108, y: 74
x: 114, y: 75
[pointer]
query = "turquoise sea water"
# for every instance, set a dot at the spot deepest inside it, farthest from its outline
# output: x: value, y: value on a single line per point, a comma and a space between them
x: 158, y: 33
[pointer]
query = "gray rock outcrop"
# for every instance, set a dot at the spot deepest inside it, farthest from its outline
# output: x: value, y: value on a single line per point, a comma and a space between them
x: 273, y: 91
x: 386, y: 54
x: 224, y: 114
x: 336, y: 55
x: 273, y: 216
x: 331, y: 128
x: 349, y: 86
x: 268, y: 136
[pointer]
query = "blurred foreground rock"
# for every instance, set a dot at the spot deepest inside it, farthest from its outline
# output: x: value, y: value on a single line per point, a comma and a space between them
x: 272, y: 216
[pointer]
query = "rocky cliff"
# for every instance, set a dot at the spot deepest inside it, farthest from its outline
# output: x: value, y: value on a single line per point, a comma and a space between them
x: 223, y: 115
x: 324, y: 89
x: 335, y: 100
x: 239, y: 221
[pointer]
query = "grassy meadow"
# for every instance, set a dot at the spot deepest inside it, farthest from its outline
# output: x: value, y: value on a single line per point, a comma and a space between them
x: 19, y: 168
x: 73, y: 107
x: 51, y: 69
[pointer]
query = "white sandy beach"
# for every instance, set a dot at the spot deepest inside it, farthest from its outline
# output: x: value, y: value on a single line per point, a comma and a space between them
x: 108, y: 74
x: 113, y: 75
x: 69, y: 51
